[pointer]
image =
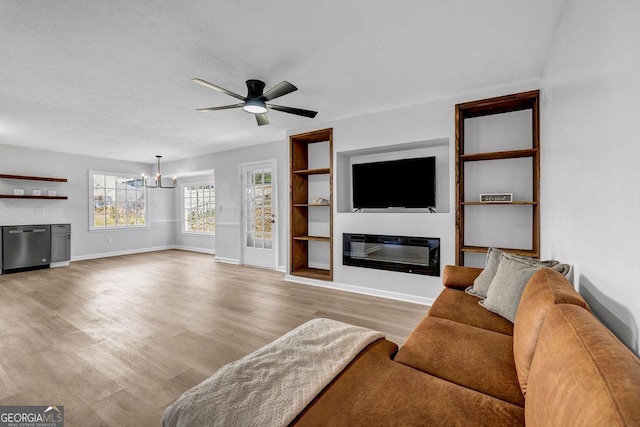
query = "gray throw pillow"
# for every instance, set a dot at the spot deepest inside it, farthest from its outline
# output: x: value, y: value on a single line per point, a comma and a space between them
x: 481, y: 285
x: 507, y: 286
x: 482, y: 282
x: 562, y: 268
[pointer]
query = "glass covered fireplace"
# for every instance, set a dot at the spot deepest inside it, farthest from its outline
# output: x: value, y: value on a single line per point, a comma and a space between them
x: 408, y: 254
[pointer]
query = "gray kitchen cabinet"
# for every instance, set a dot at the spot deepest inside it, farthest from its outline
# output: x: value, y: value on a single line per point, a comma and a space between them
x: 60, y: 242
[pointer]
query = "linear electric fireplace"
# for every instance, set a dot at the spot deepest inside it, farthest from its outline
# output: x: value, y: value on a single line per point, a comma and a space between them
x: 418, y: 255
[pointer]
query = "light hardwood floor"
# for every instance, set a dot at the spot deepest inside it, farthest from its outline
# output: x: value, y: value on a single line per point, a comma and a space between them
x: 117, y: 340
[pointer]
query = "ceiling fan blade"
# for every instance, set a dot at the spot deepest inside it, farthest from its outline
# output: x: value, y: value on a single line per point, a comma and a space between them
x: 279, y: 90
x: 218, y: 88
x: 262, y: 119
x: 224, y: 107
x: 296, y: 111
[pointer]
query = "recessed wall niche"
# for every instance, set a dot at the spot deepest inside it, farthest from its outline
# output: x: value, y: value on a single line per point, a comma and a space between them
x: 439, y: 148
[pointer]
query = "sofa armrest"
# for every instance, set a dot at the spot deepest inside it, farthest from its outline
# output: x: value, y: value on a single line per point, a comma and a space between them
x: 459, y: 277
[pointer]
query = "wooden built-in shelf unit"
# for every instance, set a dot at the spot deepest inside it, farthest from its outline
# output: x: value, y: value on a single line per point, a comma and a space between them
x: 487, y: 107
x: 301, y: 205
x: 32, y: 178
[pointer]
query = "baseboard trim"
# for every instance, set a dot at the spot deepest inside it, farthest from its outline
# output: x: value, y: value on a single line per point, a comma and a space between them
x: 59, y: 264
x: 360, y: 290
x: 227, y: 260
x: 281, y: 268
x: 194, y: 249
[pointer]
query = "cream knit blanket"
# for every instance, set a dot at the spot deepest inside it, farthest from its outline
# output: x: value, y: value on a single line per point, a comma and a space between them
x: 272, y: 385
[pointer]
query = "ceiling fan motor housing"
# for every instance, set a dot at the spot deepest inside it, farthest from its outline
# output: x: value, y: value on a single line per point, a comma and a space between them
x: 255, y: 88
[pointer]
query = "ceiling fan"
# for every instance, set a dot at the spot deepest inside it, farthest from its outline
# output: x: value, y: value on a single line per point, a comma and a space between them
x: 256, y: 102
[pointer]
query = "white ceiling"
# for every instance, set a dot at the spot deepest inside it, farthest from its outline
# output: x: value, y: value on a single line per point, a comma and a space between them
x: 112, y: 78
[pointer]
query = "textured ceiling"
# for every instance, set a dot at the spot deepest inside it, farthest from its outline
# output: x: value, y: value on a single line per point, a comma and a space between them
x: 112, y: 78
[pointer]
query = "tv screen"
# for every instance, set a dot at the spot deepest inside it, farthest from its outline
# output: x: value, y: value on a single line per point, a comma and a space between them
x: 406, y: 183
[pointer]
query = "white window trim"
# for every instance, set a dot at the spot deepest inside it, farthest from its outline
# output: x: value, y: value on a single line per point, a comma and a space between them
x: 115, y: 228
x: 182, y: 209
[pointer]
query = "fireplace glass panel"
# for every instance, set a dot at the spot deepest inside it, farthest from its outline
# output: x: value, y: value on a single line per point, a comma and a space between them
x: 419, y: 255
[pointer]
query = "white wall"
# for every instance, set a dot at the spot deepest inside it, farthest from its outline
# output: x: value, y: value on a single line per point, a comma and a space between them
x: 75, y: 210
x: 590, y: 169
x: 226, y: 166
x: 423, y: 122
x: 164, y: 205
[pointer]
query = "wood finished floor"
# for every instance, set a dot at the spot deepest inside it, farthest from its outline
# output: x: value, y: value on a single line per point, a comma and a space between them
x: 117, y: 340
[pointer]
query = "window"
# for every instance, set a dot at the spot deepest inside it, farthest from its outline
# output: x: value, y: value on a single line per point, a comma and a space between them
x: 118, y: 200
x: 199, y: 208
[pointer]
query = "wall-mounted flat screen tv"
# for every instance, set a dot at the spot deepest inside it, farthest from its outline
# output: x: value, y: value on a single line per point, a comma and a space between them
x: 406, y: 183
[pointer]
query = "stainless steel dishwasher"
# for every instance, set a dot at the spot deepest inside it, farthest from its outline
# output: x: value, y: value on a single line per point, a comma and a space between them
x: 26, y: 246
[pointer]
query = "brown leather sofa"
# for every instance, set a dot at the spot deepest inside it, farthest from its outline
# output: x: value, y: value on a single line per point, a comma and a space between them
x: 557, y: 365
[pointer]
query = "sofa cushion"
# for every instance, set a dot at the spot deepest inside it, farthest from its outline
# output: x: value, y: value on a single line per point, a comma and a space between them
x: 581, y: 375
x: 459, y: 277
x: 463, y: 308
x: 482, y: 283
x: 475, y: 358
x: 545, y: 289
x: 507, y: 286
x: 374, y: 390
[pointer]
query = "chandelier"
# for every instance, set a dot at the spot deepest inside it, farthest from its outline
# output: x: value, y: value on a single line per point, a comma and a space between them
x: 158, y: 180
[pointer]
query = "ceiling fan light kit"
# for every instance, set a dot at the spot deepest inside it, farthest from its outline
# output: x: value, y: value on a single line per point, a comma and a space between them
x: 254, y: 106
x: 256, y: 101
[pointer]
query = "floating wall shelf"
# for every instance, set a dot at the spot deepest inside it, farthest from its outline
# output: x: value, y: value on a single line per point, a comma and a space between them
x: 32, y: 178
x: 12, y: 196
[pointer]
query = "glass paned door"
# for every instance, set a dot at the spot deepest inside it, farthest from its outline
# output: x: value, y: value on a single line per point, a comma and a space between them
x: 259, y: 220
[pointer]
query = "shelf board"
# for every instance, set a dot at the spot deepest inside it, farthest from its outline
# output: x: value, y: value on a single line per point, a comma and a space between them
x: 318, y: 171
x: 13, y: 196
x: 313, y: 238
x: 498, y: 203
x: 322, y: 135
x: 484, y: 249
x: 33, y: 178
x: 313, y: 273
x: 498, y: 105
x: 300, y: 205
x: 498, y: 155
